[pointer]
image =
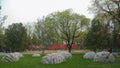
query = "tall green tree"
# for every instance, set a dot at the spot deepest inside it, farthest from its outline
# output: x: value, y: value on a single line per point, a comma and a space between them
x: 116, y: 35
x: 2, y: 46
x: 51, y: 31
x: 15, y: 37
x: 41, y: 31
x: 111, y: 7
x: 68, y: 25
x: 111, y: 10
x: 2, y: 21
x: 44, y: 33
x: 99, y: 36
x: 29, y: 27
x: 80, y: 40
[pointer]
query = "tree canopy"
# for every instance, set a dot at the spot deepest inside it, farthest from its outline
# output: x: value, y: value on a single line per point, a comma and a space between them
x: 15, y: 37
x: 111, y: 7
x: 68, y: 25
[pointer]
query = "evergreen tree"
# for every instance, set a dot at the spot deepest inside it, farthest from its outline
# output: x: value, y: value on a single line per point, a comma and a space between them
x: 16, y: 37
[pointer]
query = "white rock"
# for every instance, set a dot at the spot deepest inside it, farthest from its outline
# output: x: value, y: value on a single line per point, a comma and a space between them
x: 89, y: 55
x: 57, y: 58
x: 36, y: 55
x: 10, y: 57
x: 53, y: 58
x: 104, y: 57
x: 18, y: 54
x: 2, y: 53
x: 66, y: 54
x: 46, y: 60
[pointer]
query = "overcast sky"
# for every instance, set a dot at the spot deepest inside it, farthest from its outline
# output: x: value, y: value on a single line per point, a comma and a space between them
x: 30, y: 10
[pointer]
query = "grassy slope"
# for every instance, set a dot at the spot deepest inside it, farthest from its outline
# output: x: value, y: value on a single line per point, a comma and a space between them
x: 75, y: 62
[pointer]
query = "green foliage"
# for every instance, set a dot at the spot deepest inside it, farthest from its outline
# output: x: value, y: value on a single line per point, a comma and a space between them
x: 2, y: 21
x: 16, y: 37
x: 43, y: 32
x: 68, y: 25
x: 110, y: 7
x: 2, y: 46
x: 109, y: 10
x: 35, y: 40
x: 80, y: 40
x: 29, y: 28
x: 116, y: 35
x: 98, y: 36
x: 51, y: 33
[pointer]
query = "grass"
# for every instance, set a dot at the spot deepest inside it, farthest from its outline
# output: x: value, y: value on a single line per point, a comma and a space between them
x: 76, y: 61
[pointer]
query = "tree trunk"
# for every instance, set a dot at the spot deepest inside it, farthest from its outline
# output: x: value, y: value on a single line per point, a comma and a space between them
x: 43, y: 49
x: 69, y: 47
x: 69, y: 50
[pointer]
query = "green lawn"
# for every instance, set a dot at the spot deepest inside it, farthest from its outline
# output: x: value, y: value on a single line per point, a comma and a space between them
x: 76, y: 61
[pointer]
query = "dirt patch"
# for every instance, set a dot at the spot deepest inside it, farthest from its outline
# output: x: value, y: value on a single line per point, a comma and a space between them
x: 53, y: 51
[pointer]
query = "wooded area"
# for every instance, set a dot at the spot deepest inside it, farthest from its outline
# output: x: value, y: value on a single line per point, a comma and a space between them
x: 67, y: 27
